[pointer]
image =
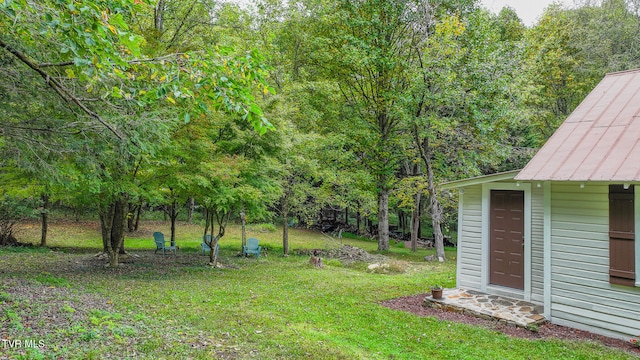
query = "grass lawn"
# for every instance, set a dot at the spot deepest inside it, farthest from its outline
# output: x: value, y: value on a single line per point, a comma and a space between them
x: 66, y: 304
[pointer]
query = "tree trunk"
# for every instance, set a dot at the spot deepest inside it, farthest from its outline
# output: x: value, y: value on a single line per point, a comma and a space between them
x: 436, y: 216
x: 133, y: 218
x: 192, y: 208
x: 434, y: 204
x: 415, y: 222
x: 76, y: 214
x: 136, y: 225
x: 173, y: 215
x: 222, y: 224
x: 44, y: 214
x: 213, y: 254
x: 358, y: 220
x: 118, y: 228
x: 243, y: 218
x: 213, y: 258
x: 285, y: 232
x: 158, y: 16
x: 106, y: 221
x: 112, y: 225
x: 346, y: 216
x: 383, y: 220
x: 207, y: 221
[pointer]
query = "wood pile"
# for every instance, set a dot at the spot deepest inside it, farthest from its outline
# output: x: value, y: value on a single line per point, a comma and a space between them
x: 346, y: 254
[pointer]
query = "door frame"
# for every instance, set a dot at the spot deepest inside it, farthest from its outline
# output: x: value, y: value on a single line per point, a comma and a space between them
x: 486, y: 253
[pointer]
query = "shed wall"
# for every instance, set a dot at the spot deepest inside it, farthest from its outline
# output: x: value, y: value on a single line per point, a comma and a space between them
x: 537, y: 244
x: 471, y: 257
x: 581, y: 295
x: 470, y: 239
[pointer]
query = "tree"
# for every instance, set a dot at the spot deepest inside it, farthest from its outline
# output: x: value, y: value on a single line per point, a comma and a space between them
x: 460, y: 110
x: 370, y: 55
x: 553, y: 84
x: 245, y: 187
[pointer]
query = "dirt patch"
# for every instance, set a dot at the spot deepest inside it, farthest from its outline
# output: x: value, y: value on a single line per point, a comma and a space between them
x: 414, y: 305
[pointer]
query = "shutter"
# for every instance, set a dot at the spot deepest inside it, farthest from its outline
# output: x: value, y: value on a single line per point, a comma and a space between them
x: 621, y: 236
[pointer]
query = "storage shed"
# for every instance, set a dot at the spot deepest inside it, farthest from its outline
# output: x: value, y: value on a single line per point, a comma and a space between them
x: 561, y: 232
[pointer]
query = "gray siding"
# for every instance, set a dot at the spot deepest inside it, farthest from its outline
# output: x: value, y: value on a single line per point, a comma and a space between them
x: 470, y: 240
x: 581, y: 295
x: 537, y: 244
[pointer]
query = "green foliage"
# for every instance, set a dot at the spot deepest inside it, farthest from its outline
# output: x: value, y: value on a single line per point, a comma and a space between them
x: 554, y: 85
x: 13, y: 211
x: 260, y: 228
x: 138, y: 93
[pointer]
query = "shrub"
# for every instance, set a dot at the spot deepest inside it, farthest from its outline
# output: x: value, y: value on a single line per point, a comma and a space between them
x: 12, y: 212
x: 265, y: 227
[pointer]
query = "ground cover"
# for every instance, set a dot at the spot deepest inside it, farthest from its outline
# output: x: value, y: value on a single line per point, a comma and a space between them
x: 68, y: 305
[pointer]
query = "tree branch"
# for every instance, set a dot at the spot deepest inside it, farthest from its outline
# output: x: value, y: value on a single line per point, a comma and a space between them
x: 58, y: 88
x: 130, y: 62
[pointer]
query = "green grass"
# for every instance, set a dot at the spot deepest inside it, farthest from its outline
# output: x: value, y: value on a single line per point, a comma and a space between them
x: 275, y: 307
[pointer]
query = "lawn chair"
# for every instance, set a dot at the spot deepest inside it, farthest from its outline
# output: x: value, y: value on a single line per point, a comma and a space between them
x: 252, y: 248
x: 160, y: 243
x: 205, y: 247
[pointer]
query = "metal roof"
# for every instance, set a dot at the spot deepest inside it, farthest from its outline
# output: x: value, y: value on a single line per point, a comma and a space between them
x: 599, y: 141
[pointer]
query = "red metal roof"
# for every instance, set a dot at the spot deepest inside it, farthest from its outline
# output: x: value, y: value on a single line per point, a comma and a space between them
x: 599, y: 141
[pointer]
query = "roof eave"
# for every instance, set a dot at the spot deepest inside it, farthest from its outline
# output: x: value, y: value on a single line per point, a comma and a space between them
x: 507, y: 175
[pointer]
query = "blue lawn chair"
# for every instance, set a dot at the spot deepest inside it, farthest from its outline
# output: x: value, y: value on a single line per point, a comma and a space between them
x: 252, y: 248
x: 161, y: 243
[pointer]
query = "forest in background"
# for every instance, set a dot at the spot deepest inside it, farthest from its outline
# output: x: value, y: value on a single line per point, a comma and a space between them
x: 283, y: 109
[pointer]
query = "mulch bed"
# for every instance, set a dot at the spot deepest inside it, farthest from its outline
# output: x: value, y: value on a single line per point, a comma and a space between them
x: 413, y: 304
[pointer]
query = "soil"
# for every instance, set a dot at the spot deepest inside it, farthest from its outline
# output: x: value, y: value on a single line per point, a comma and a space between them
x: 413, y: 304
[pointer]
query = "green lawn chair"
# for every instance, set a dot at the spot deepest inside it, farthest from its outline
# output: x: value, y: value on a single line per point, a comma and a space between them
x: 161, y: 243
x: 205, y: 247
x: 252, y: 248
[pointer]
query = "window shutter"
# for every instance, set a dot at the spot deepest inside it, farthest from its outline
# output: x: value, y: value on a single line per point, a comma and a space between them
x: 621, y: 235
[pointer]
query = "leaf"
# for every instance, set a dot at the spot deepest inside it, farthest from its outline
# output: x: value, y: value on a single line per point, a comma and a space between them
x: 171, y: 100
x: 132, y: 43
x: 119, y: 21
x: 187, y: 118
x: 116, y: 93
x: 70, y: 73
